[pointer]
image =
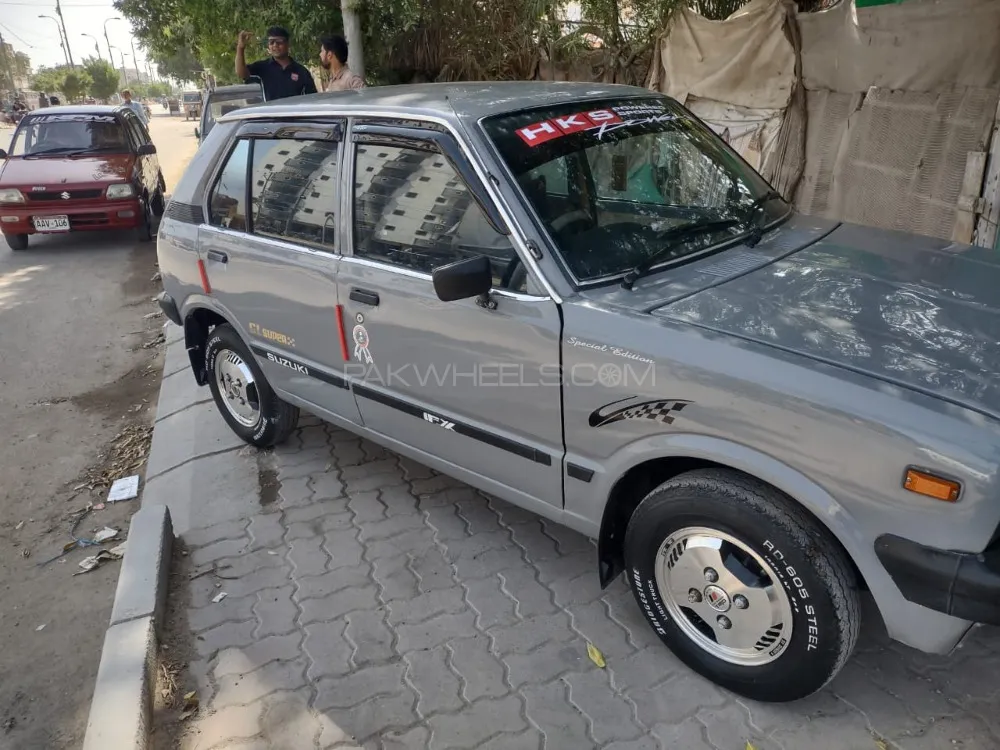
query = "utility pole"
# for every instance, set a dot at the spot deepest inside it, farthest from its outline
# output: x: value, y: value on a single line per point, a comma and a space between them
x: 62, y: 24
x: 62, y: 42
x: 135, y: 60
x: 110, y: 56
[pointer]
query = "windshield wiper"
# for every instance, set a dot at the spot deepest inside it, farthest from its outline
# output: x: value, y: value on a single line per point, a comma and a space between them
x: 755, y: 227
x: 675, y: 233
x: 62, y: 151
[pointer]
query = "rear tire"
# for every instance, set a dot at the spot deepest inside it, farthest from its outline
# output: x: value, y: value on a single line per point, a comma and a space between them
x: 242, y: 394
x: 742, y: 585
x: 17, y: 242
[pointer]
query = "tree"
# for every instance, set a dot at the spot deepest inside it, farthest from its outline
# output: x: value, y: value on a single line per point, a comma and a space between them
x: 49, y: 80
x: 104, y: 78
x: 75, y: 84
x: 352, y: 33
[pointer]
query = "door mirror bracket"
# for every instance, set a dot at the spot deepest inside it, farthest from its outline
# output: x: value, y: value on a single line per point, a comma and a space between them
x: 487, y: 301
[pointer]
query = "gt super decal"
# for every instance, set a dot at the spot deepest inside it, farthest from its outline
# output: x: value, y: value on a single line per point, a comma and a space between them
x: 267, y: 333
x: 663, y: 411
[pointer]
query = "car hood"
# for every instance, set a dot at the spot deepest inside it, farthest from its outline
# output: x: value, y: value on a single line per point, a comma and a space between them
x: 54, y: 172
x: 915, y: 311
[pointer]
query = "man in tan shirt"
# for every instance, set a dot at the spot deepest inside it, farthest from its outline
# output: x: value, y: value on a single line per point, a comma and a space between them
x: 333, y: 57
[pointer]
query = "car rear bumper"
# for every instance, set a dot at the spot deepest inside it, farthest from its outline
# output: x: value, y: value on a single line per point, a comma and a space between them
x: 960, y: 584
x: 83, y: 217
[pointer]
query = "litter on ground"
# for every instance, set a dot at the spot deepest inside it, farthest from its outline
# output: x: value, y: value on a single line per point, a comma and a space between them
x: 126, y: 488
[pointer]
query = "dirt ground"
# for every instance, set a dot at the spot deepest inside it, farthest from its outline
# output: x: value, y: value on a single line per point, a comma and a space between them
x: 82, y: 354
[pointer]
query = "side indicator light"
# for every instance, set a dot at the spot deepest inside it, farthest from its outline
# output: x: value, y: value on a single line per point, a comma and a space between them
x: 204, y: 277
x: 923, y: 483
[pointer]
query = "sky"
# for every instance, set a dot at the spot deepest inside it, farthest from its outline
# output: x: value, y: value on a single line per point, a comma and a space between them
x: 39, y: 39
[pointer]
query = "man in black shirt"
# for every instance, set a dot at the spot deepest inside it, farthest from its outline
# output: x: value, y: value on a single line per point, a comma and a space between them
x: 280, y: 75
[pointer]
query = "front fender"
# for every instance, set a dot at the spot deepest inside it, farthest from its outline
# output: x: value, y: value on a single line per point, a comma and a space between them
x: 909, y: 623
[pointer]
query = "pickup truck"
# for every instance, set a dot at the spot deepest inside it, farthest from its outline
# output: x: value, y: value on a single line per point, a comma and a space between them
x: 579, y: 299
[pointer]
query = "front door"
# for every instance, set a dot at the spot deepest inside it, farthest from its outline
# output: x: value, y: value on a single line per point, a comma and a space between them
x: 271, y: 257
x: 473, y: 386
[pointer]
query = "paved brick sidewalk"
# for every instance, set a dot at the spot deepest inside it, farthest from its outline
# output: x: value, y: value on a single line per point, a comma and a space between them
x: 381, y: 605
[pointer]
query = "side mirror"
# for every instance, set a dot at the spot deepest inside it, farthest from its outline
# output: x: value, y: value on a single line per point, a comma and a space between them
x: 462, y: 279
x: 146, y: 149
x: 197, y: 134
x: 3, y: 154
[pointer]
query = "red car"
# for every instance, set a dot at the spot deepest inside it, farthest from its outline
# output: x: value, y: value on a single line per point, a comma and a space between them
x: 79, y: 169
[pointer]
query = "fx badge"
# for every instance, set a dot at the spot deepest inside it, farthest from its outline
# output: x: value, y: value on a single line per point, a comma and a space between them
x: 360, y: 337
x: 659, y: 411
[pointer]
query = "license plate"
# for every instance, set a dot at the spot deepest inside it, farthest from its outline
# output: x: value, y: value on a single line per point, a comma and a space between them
x: 51, y: 223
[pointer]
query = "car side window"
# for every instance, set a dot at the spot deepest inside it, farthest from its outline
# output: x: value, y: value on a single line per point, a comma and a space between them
x: 294, y: 190
x: 227, y: 199
x: 132, y: 128
x: 412, y: 210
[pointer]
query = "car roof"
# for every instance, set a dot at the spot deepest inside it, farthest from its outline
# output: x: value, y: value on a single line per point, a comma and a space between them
x: 467, y: 100
x: 78, y: 109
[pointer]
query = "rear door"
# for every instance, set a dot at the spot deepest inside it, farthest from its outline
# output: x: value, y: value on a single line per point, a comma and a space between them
x: 270, y: 252
x: 475, y: 385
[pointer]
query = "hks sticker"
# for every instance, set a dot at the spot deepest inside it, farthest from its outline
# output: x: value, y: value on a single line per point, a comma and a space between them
x: 361, y: 352
x: 662, y: 411
x: 439, y: 421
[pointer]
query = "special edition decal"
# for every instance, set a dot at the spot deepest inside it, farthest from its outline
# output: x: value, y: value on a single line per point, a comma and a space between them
x: 663, y: 411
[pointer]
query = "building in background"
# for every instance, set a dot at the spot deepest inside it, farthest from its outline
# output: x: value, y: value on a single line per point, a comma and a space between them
x: 15, y: 68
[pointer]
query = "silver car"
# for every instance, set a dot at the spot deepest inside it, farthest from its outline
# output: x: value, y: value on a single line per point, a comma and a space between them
x: 579, y: 299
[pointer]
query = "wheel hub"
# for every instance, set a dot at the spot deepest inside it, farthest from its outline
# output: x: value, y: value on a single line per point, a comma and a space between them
x: 724, y: 596
x: 237, y: 387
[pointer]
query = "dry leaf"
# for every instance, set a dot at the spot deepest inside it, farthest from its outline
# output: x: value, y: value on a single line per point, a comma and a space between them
x: 881, y: 744
x: 750, y: 746
x: 595, y: 655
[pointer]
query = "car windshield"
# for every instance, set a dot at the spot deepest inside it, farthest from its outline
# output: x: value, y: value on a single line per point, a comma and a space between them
x: 614, y: 181
x: 69, y: 134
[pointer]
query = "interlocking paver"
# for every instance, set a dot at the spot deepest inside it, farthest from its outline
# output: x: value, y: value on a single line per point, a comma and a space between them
x: 308, y: 556
x: 481, y: 672
x: 435, y: 631
x: 371, y: 638
x: 381, y: 605
x: 549, y: 708
x: 275, y: 612
x: 336, y: 605
x: 422, y: 607
x: 240, y: 689
x: 312, y: 587
x: 477, y: 723
x: 437, y: 687
x: 493, y: 608
x: 545, y: 663
x: 327, y: 649
x: 609, y: 715
x: 257, y: 654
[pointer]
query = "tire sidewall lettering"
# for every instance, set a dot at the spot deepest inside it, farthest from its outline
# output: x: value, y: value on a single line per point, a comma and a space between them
x: 798, y: 593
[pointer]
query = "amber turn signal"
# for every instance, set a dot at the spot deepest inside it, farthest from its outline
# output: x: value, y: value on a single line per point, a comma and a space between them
x: 927, y: 484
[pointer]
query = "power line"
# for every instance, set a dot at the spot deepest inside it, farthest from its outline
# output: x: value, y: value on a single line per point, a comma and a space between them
x: 11, y: 32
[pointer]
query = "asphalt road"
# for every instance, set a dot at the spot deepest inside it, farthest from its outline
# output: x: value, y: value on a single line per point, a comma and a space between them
x: 78, y: 381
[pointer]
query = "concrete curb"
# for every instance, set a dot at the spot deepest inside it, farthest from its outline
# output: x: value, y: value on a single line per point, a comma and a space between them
x: 122, y: 706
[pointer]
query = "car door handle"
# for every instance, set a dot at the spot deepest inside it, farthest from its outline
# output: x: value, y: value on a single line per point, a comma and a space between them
x: 217, y: 256
x: 365, y: 296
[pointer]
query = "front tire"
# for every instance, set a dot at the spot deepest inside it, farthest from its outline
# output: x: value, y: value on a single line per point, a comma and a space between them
x: 742, y: 585
x: 242, y: 393
x: 144, y: 230
x: 17, y: 242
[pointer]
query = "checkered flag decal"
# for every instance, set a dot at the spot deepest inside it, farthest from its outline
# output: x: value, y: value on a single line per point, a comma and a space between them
x: 658, y: 411
x: 663, y: 412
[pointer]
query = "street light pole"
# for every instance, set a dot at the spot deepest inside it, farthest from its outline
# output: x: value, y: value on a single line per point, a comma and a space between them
x: 97, y: 49
x: 124, y: 74
x: 59, y: 32
x: 110, y: 56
